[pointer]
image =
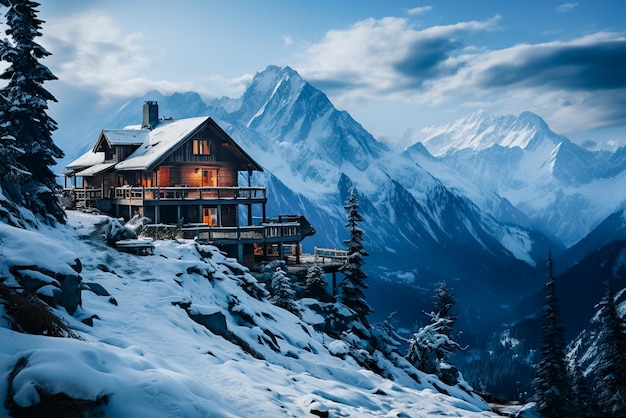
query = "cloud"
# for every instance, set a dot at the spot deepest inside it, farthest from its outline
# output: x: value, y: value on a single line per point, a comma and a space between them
x: 90, y: 52
x: 587, y: 64
x: 578, y: 84
x: 419, y: 10
x: 386, y: 56
x: 566, y: 7
x: 287, y: 40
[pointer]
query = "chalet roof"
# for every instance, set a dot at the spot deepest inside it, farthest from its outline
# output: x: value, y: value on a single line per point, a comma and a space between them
x: 126, y: 136
x: 95, y: 169
x: 88, y: 159
x: 154, y: 145
x: 158, y: 141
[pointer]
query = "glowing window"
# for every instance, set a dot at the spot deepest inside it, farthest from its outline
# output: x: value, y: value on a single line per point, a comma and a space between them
x: 201, y: 147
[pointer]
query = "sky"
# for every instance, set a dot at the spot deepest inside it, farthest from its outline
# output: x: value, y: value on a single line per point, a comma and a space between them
x: 393, y: 65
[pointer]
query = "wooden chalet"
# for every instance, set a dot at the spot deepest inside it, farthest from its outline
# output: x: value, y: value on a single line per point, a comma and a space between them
x: 185, y: 173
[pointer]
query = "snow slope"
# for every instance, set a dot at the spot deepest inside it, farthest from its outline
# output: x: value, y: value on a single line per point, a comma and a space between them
x: 146, y: 356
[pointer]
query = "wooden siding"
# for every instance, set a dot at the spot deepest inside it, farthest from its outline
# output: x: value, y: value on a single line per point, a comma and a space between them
x: 163, y: 176
x: 184, y: 153
x: 229, y: 215
x: 123, y: 151
x: 190, y: 175
x: 219, y: 153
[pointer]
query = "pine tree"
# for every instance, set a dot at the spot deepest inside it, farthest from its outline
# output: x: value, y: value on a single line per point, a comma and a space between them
x: 354, y: 281
x: 553, y: 392
x: 585, y: 404
x: 611, y: 360
x: 27, y: 104
x: 443, y: 302
x: 429, y: 346
x: 10, y: 169
x: 315, y: 283
x: 283, y: 291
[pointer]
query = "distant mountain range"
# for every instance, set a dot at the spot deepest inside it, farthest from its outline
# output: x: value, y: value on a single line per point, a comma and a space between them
x: 477, y: 203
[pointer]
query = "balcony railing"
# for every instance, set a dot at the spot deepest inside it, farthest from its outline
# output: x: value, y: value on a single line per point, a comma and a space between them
x: 190, y: 193
x: 85, y: 194
x: 172, y: 193
x: 263, y: 232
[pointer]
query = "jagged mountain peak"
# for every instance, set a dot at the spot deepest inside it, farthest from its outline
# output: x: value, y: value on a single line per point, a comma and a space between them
x: 480, y: 130
x: 274, y: 87
x: 299, y: 122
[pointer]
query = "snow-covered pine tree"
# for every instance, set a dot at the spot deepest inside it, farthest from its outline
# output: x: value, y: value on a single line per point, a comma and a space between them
x: 429, y: 346
x: 10, y: 170
x: 553, y: 392
x: 443, y: 302
x: 282, y: 291
x: 353, y: 283
x: 585, y: 404
x: 315, y: 283
x: 611, y: 359
x: 27, y: 107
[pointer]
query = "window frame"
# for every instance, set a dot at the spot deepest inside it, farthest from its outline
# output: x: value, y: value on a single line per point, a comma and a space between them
x: 201, y: 147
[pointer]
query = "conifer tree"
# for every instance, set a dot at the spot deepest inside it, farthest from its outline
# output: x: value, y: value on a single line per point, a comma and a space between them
x: 25, y: 108
x: 585, y: 404
x: 10, y: 169
x: 611, y: 361
x: 282, y: 290
x: 553, y: 391
x: 429, y: 345
x: 443, y: 302
x: 315, y: 283
x: 354, y: 281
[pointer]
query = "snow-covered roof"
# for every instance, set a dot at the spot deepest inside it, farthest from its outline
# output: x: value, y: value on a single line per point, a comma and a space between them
x: 126, y: 136
x: 153, y: 145
x: 95, y: 169
x: 88, y: 159
x: 158, y: 141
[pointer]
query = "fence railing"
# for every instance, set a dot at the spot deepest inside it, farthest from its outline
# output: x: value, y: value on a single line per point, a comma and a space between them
x: 331, y: 253
x: 190, y: 193
x: 272, y: 232
x: 85, y: 194
x: 172, y: 193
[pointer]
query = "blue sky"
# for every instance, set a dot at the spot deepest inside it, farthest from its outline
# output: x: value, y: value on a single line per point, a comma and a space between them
x: 393, y: 65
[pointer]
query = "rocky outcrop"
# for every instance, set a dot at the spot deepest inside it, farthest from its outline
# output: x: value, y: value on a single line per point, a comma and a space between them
x: 56, y: 289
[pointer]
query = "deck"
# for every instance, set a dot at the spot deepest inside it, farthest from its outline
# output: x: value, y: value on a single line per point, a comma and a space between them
x: 266, y: 232
x: 133, y: 195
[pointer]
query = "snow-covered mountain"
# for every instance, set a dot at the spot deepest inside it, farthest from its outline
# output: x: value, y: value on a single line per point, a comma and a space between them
x: 418, y: 229
x: 185, y: 332
x: 562, y: 189
x: 473, y: 203
x: 476, y: 203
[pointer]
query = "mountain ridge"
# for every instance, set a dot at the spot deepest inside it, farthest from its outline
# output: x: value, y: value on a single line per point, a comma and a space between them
x: 564, y: 190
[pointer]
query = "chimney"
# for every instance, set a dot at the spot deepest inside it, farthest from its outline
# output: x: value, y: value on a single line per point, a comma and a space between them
x: 150, y: 115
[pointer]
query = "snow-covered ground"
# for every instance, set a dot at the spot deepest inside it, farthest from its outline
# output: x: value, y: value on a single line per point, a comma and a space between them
x: 147, y: 356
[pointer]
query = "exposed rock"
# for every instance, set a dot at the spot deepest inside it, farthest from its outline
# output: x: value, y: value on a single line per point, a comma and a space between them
x: 114, y: 231
x: 56, y: 289
x: 317, y: 408
x: 50, y: 405
x: 96, y: 288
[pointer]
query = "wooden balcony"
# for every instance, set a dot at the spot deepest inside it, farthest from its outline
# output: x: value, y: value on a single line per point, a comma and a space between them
x: 269, y: 232
x: 135, y: 195
x: 85, y: 194
x: 131, y: 195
